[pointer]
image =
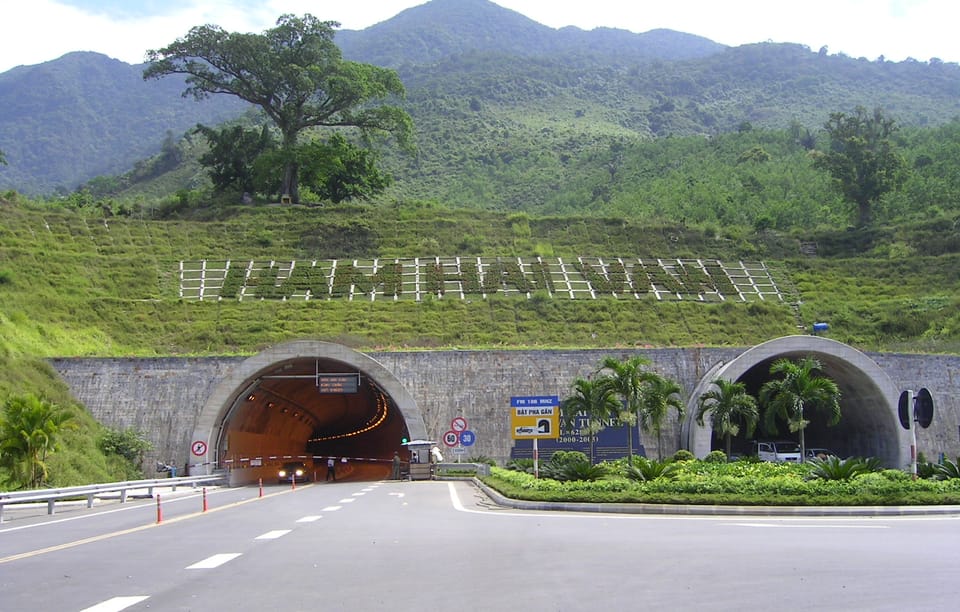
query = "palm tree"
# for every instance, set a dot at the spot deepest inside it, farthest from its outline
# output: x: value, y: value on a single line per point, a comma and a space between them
x: 626, y: 378
x: 729, y: 406
x: 29, y: 427
x: 797, y: 387
x: 593, y: 399
x: 659, y: 394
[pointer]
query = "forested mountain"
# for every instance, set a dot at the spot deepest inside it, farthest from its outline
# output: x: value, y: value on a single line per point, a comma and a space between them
x: 83, y: 115
x: 439, y: 29
x: 488, y: 88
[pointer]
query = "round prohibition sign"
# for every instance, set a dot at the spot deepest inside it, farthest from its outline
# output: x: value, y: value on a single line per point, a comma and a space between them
x: 451, y: 438
x: 199, y: 448
x: 458, y: 424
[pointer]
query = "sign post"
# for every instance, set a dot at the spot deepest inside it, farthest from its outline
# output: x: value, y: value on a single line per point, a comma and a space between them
x: 535, y: 417
x: 915, y: 409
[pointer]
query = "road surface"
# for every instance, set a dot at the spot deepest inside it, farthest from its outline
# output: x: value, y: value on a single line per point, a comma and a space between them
x: 443, y: 546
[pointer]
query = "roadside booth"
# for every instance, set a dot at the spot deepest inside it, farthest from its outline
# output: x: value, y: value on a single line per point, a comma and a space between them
x: 420, y: 465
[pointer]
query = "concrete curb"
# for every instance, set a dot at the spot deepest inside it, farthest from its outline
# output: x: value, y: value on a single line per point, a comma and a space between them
x: 713, y: 510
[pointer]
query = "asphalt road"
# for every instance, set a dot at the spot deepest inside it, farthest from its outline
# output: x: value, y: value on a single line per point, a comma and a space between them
x: 444, y: 546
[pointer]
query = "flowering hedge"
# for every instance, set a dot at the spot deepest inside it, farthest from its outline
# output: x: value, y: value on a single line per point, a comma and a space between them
x: 737, y: 483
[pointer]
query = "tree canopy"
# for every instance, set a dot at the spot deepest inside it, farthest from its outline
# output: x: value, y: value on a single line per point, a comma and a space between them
x: 862, y: 160
x: 627, y: 378
x: 795, y: 387
x: 295, y: 73
x: 233, y: 151
x: 730, y: 406
x: 593, y: 400
x: 29, y: 432
x: 658, y: 395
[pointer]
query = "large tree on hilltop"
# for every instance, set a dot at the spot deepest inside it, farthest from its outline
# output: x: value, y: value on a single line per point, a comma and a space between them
x: 862, y: 159
x: 295, y: 73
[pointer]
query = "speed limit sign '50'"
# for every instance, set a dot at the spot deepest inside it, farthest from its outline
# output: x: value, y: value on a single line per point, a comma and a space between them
x: 451, y: 438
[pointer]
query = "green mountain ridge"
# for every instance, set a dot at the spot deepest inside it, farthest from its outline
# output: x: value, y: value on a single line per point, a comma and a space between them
x: 473, y: 69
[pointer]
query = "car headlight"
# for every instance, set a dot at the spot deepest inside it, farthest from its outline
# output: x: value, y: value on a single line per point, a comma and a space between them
x: 282, y: 473
x: 299, y: 472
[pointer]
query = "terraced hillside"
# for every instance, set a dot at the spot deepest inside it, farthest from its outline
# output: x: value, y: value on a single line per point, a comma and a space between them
x: 78, y: 284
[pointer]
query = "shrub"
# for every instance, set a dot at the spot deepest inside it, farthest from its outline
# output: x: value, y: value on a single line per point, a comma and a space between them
x: 567, y: 457
x: 576, y: 471
x: 946, y: 470
x: 717, y: 456
x: 128, y: 443
x: 484, y: 459
x: 895, y: 475
x: 925, y: 469
x: 520, y: 465
x: 683, y: 455
x: 645, y: 469
x: 835, y: 468
x: 571, y: 465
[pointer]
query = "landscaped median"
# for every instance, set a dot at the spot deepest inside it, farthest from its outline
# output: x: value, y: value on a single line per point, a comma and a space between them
x: 739, y: 483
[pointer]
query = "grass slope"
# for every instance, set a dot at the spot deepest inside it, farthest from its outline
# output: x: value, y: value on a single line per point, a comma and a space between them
x: 75, y: 284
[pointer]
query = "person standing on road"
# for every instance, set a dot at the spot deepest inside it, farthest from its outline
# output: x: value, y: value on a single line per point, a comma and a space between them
x: 395, y: 475
x: 435, y: 459
x: 331, y: 469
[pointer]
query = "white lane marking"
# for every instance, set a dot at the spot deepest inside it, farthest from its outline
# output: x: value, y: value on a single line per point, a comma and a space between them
x: 347, y: 500
x: 359, y: 494
x: 825, y: 526
x: 331, y: 508
x: 116, y: 604
x: 368, y: 489
x: 401, y: 495
x: 214, y: 561
x: 309, y: 519
x: 273, y: 535
x: 455, y: 498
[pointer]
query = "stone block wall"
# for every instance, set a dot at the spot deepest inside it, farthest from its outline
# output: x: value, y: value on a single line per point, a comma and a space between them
x: 164, y: 396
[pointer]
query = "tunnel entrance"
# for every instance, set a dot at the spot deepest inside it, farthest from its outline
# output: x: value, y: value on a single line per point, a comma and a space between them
x: 868, y: 426
x: 307, y: 401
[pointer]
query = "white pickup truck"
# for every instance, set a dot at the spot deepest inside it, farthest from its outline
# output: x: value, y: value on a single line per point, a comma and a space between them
x: 777, y: 451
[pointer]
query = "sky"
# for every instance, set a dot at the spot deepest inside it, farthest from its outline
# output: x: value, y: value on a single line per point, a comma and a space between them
x: 37, y: 31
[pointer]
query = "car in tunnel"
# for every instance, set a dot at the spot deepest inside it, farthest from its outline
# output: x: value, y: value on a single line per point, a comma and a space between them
x: 293, y: 471
x: 777, y: 451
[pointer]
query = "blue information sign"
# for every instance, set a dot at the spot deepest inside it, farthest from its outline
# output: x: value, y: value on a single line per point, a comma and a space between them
x: 534, y: 400
x: 467, y: 437
x: 608, y: 444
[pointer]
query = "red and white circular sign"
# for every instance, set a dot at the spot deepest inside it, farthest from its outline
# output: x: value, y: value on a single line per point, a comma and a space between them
x: 451, y: 438
x: 458, y: 424
x: 199, y: 448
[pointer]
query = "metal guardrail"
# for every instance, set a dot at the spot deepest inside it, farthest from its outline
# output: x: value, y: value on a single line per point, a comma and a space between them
x: 90, y: 492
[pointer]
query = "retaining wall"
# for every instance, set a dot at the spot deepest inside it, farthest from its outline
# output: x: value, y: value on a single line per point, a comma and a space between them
x: 164, y: 396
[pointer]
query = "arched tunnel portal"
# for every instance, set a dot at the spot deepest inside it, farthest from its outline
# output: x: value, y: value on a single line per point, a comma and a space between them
x: 306, y: 401
x: 869, y: 426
